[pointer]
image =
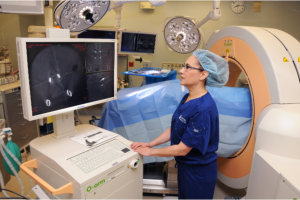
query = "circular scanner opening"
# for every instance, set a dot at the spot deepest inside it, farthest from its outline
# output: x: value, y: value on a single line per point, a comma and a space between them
x: 238, y: 79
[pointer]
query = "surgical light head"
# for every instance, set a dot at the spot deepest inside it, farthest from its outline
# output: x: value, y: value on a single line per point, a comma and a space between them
x: 182, y: 35
x: 78, y: 16
x: 157, y: 2
x: 216, y: 66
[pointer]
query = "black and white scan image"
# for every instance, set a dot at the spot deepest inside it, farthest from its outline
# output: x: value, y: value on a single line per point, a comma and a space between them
x: 128, y: 42
x: 103, y: 83
x: 145, y: 43
x: 58, y: 75
x: 138, y: 42
x: 99, y: 57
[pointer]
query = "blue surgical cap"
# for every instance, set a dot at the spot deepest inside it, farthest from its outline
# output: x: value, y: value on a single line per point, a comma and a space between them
x: 216, y: 66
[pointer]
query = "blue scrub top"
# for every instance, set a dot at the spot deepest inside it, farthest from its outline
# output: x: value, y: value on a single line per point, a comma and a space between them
x: 196, y: 124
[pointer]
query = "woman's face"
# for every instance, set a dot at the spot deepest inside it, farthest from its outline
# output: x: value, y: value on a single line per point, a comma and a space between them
x: 191, y: 76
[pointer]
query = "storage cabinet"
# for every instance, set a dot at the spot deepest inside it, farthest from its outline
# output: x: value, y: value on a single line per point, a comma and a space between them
x: 11, y: 110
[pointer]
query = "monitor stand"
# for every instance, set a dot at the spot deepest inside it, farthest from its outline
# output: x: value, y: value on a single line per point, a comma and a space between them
x: 64, y: 125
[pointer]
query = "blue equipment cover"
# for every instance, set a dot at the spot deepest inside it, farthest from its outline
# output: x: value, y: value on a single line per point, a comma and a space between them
x: 142, y: 114
x: 153, y: 75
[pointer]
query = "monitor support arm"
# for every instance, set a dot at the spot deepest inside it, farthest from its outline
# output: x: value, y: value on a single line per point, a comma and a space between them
x: 39, y: 31
x: 214, y: 15
x: 117, y: 7
x: 152, y: 2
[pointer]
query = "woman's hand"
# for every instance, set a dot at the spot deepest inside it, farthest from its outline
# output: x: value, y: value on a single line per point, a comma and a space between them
x: 145, y: 151
x: 136, y: 145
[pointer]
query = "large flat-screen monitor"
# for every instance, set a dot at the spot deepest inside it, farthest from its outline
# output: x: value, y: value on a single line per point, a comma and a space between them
x: 99, y: 33
x: 61, y: 75
x: 137, y: 42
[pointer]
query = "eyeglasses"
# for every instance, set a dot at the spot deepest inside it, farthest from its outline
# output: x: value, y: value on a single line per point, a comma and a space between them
x: 185, y: 67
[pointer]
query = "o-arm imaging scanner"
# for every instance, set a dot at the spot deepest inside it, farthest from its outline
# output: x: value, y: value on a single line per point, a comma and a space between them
x: 270, y: 59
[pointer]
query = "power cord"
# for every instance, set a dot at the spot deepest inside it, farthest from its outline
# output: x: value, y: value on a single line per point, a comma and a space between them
x: 29, y: 196
x: 87, y: 112
x: 22, y: 197
x: 76, y: 114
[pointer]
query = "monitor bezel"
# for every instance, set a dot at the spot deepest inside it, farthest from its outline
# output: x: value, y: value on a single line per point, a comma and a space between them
x: 24, y: 75
x: 136, y: 53
x: 93, y: 28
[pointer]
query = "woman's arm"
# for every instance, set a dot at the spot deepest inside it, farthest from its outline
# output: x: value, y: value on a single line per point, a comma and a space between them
x: 175, y: 150
x: 164, y: 137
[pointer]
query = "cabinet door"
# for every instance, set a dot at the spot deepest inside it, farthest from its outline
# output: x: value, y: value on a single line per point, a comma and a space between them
x: 23, y: 137
x: 20, y: 125
x: 15, y: 115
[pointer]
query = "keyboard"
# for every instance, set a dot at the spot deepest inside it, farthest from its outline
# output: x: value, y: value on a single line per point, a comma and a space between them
x: 99, y: 156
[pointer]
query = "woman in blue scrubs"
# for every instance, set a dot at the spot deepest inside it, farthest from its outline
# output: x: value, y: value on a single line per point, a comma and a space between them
x: 194, y: 131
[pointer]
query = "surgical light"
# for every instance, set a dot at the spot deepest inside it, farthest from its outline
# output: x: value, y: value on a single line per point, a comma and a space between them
x: 78, y: 16
x: 182, y: 34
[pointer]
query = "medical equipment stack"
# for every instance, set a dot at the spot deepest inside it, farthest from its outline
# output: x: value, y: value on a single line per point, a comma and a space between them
x: 109, y: 170
x: 82, y: 162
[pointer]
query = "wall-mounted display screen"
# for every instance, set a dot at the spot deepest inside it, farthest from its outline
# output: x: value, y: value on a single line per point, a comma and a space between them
x: 104, y: 34
x: 137, y: 43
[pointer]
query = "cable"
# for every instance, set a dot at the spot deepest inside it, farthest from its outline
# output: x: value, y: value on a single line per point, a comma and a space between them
x: 29, y: 196
x: 13, y: 193
x: 87, y: 113
x: 77, y: 116
x: 2, y: 148
x: 13, y: 169
x: 76, y: 120
x: 17, y: 161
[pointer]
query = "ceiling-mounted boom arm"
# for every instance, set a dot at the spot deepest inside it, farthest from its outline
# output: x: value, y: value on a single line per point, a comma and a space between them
x: 117, y: 7
x: 152, y: 2
x: 215, y: 14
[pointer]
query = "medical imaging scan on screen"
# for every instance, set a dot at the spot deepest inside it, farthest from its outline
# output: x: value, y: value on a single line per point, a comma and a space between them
x: 98, y: 34
x: 63, y: 75
x: 138, y: 42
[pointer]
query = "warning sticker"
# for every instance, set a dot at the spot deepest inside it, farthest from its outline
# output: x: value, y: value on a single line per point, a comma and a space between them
x: 285, y: 60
